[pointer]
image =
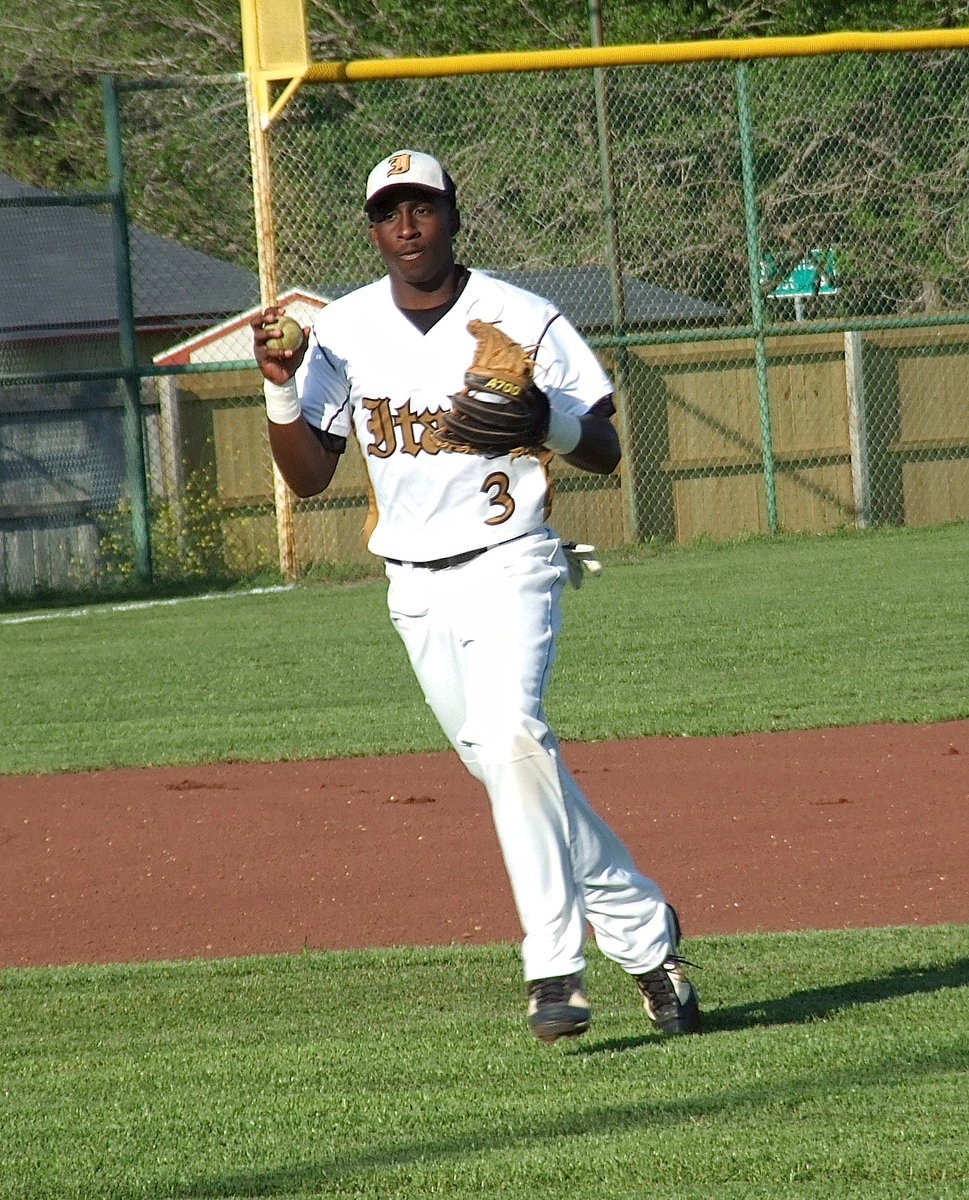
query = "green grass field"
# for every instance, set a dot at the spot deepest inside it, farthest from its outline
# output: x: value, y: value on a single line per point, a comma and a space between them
x: 798, y: 633
x: 834, y: 1063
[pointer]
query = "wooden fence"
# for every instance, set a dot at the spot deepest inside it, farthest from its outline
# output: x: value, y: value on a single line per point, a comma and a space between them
x: 866, y: 429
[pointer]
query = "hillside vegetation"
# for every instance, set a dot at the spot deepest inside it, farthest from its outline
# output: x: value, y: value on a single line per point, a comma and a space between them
x: 55, y: 50
x: 869, y: 161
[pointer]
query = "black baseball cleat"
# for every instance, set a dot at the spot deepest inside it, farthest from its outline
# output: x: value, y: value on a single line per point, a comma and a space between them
x: 557, y: 1007
x: 669, y: 998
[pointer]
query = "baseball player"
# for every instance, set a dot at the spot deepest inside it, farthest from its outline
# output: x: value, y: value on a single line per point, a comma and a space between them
x: 475, y: 572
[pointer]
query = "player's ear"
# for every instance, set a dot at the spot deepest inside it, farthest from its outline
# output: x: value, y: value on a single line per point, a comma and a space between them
x: 455, y: 220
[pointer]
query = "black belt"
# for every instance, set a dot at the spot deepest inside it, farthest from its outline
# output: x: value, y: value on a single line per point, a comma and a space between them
x: 439, y: 564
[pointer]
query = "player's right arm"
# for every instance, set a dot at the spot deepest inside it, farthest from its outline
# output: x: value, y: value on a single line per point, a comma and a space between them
x: 303, y: 459
x: 305, y: 464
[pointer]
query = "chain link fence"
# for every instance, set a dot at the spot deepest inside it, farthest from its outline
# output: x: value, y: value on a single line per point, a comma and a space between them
x: 771, y: 257
x: 103, y: 480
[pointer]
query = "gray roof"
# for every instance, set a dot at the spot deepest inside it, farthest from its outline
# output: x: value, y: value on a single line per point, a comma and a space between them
x: 57, y: 277
x: 584, y: 295
x: 57, y: 274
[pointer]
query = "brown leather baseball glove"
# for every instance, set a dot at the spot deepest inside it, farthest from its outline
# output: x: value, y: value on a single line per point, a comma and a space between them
x: 499, y: 410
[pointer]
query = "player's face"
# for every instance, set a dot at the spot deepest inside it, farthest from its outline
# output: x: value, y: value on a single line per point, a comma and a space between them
x: 412, y: 231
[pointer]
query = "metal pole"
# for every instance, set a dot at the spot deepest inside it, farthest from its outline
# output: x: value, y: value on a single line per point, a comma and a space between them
x: 134, y: 439
x: 614, y: 264
x: 759, y: 323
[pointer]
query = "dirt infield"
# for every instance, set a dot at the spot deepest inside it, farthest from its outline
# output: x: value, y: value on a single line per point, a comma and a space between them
x: 826, y: 829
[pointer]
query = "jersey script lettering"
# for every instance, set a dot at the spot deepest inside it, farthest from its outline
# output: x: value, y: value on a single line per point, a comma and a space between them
x: 414, y: 429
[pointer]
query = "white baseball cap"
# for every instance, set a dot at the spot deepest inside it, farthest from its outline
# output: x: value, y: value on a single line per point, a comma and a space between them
x: 409, y: 167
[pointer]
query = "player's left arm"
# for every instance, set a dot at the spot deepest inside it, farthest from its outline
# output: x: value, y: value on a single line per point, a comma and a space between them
x: 598, y: 450
x: 570, y: 375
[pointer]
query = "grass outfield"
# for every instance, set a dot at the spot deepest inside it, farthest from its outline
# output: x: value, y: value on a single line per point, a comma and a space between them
x: 769, y: 634
x: 834, y: 1065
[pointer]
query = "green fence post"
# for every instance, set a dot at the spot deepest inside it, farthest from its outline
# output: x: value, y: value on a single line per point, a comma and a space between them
x: 632, y: 486
x: 751, y: 221
x: 135, y: 463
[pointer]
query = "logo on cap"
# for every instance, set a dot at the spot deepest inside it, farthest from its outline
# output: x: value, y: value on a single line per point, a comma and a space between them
x: 412, y: 167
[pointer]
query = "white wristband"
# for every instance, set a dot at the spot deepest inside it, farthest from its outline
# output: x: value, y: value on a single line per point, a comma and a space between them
x: 564, y: 432
x: 282, y: 402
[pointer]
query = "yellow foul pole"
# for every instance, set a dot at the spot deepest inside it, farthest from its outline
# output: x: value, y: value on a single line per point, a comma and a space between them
x: 631, y: 55
x: 277, y: 29
x: 274, y: 48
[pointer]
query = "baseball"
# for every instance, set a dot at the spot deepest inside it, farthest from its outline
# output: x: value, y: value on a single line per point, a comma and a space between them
x: 289, y: 336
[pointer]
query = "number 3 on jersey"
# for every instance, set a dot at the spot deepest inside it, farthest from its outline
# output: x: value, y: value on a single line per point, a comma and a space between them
x: 495, y: 488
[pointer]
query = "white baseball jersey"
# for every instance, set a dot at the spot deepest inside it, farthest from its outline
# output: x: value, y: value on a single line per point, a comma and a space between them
x: 370, y: 372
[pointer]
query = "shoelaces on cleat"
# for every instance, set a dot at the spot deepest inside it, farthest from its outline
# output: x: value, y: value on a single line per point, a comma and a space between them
x: 658, y: 989
x: 551, y: 991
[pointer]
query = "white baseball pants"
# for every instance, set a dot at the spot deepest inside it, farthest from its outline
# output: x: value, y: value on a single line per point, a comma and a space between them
x: 481, y: 639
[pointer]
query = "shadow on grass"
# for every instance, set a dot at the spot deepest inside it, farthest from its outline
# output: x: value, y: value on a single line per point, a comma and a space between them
x: 813, y: 1004
x: 598, y: 1120
x: 343, y: 1171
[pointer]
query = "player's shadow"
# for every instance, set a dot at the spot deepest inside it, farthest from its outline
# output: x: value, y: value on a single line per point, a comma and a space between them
x: 559, y: 1127
x: 810, y: 1004
x: 335, y: 1173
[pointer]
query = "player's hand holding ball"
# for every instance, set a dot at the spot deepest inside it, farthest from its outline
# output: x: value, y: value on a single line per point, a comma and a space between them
x: 279, y: 344
x: 284, y: 334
